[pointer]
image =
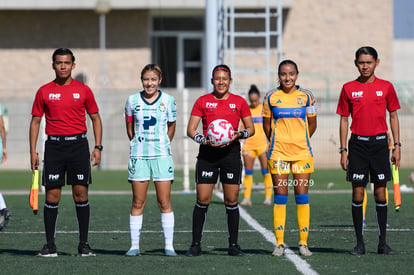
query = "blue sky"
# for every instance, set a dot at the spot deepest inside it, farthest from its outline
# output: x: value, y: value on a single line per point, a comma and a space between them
x: 403, y: 19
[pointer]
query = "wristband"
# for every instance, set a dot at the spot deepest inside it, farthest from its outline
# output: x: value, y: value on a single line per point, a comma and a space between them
x: 200, y: 139
x: 341, y: 149
x: 397, y: 143
x: 244, y: 134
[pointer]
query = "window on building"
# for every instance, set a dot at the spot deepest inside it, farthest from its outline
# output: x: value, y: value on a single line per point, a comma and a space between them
x: 177, y: 48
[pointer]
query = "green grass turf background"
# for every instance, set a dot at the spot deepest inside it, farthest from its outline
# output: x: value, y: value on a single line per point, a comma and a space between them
x: 330, y: 239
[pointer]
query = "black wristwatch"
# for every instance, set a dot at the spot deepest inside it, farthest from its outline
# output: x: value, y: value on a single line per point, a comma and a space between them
x: 99, y: 147
x: 397, y: 143
x: 341, y: 149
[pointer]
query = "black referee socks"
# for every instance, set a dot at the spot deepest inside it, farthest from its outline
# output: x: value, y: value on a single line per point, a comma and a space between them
x: 358, y: 220
x: 83, y: 212
x: 233, y: 217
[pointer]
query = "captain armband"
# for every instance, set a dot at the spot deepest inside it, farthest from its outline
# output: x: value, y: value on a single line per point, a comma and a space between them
x: 244, y: 134
x: 199, y: 138
x: 311, y: 110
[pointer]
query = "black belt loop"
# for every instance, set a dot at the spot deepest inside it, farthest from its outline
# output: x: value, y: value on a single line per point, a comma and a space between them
x: 66, y: 138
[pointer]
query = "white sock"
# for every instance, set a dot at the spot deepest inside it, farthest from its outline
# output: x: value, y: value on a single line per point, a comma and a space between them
x: 167, y: 221
x: 2, y: 202
x: 135, y: 226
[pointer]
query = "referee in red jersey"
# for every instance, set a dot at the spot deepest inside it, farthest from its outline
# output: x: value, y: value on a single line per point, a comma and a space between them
x: 367, y: 99
x: 218, y: 161
x: 64, y: 102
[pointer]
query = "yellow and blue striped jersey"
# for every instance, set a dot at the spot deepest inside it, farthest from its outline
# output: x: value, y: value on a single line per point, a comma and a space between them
x: 290, y: 140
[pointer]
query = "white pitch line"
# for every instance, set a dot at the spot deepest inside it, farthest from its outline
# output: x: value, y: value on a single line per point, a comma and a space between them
x: 270, y: 238
x: 116, y: 231
x: 300, y: 264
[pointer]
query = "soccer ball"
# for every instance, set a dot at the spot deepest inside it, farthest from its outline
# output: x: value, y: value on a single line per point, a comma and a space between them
x: 220, y: 131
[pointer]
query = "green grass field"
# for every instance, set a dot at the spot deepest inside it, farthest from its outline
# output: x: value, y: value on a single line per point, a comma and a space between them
x: 330, y: 239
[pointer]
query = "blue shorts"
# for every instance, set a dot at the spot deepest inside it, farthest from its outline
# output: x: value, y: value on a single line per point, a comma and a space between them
x: 159, y: 169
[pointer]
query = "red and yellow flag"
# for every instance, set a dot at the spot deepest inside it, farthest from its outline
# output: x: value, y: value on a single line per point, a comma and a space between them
x: 34, y: 192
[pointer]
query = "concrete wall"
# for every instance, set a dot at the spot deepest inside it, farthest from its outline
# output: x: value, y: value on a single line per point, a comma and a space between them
x: 323, y: 35
x: 25, y: 59
x: 403, y: 54
x: 125, y: 4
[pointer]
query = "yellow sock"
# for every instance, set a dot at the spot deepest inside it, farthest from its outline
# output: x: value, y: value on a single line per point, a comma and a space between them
x: 364, y: 204
x: 279, y: 220
x: 386, y: 194
x: 303, y: 215
x: 268, y: 185
x: 248, y: 182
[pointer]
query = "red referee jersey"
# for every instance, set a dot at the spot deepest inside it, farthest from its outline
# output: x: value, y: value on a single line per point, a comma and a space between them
x: 367, y: 103
x: 232, y: 109
x: 64, y: 107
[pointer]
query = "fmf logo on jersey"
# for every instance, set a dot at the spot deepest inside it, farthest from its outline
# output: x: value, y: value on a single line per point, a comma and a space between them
x: 211, y: 105
x: 54, y: 96
x: 232, y: 106
x: 76, y: 96
x: 379, y: 93
x: 357, y: 94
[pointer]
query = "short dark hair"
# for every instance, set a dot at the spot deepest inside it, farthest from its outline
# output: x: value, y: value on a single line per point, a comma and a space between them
x: 223, y: 68
x: 62, y: 51
x: 285, y: 62
x: 366, y: 50
x: 254, y: 90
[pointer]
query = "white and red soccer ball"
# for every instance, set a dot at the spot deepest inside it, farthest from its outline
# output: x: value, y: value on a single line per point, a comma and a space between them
x: 220, y: 131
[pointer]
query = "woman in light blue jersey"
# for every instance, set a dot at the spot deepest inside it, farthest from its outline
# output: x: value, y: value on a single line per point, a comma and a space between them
x: 150, y: 123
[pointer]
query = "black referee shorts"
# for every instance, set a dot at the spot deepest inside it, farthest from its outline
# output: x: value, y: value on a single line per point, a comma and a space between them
x: 67, y: 155
x: 213, y: 163
x: 368, y: 159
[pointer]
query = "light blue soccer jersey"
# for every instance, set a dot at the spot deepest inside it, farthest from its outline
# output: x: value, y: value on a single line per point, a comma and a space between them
x: 150, y: 121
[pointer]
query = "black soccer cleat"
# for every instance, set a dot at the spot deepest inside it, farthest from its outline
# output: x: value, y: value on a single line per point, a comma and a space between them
x: 48, y: 250
x: 359, y: 249
x: 5, y: 215
x: 385, y: 249
x: 195, y: 250
x: 235, y: 250
x: 84, y: 250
